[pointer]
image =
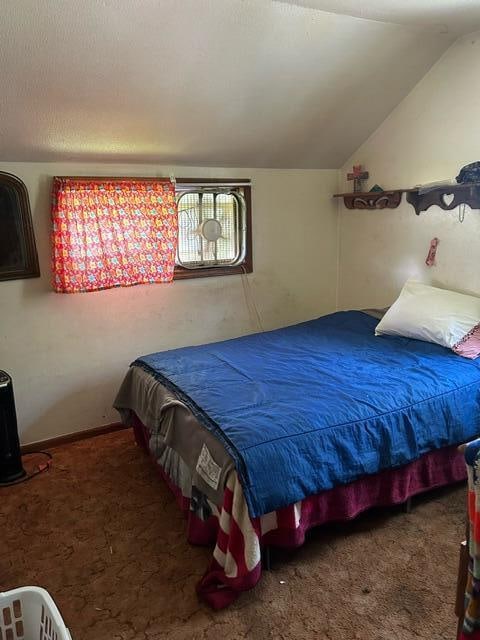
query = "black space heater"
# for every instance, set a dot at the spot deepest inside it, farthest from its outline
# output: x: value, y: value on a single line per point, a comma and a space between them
x: 11, y: 468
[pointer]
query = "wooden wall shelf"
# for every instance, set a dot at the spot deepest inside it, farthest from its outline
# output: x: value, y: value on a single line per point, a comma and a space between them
x: 447, y: 197
x: 372, y: 199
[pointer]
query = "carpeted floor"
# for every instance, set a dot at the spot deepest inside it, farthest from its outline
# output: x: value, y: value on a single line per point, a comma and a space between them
x: 102, y: 533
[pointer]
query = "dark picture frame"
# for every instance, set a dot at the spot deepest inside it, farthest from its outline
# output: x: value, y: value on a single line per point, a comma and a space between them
x: 18, y: 252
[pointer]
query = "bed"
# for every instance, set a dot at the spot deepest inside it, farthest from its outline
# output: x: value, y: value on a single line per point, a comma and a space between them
x: 265, y: 436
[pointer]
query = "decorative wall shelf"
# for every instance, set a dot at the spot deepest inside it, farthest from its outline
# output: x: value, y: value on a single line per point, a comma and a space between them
x: 371, y: 199
x: 447, y: 197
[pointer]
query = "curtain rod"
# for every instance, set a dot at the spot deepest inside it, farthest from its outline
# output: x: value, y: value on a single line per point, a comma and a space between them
x: 112, y: 178
x: 182, y: 183
x: 212, y: 185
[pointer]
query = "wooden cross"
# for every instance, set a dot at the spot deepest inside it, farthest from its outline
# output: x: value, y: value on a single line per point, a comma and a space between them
x: 357, y: 176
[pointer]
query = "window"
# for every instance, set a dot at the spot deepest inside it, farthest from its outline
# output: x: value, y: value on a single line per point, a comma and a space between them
x: 111, y: 232
x: 214, y: 228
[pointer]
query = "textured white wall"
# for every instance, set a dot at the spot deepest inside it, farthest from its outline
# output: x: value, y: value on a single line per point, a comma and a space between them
x: 428, y: 137
x: 68, y: 353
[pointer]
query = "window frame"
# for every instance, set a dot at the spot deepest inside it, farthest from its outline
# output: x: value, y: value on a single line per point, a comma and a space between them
x: 246, y: 266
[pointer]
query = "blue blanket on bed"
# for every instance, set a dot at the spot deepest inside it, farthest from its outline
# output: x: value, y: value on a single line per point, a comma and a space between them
x: 318, y: 404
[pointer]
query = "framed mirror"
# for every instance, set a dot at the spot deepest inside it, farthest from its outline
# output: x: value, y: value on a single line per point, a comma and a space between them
x: 18, y: 253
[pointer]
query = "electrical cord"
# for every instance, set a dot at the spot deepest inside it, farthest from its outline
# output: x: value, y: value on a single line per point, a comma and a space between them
x: 41, y: 468
x: 249, y: 300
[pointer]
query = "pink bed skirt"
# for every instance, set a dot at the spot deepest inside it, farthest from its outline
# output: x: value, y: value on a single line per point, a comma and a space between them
x: 219, y: 587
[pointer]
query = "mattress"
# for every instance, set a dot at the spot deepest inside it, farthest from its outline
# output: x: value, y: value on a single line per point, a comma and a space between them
x: 306, y: 408
x: 173, y: 427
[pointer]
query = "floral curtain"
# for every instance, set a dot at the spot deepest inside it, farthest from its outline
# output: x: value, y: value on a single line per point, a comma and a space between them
x: 112, y: 232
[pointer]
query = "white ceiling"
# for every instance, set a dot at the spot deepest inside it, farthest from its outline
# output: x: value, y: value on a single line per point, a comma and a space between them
x: 456, y: 17
x: 252, y: 83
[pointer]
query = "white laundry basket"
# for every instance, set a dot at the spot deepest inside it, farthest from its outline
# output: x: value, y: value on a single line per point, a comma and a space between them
x: 29, y: 613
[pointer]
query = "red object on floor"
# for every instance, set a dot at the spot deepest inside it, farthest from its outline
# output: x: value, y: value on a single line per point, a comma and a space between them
x: 239, y: 538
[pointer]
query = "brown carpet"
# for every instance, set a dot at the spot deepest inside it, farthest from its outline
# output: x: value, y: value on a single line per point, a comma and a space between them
x: 104, y: 536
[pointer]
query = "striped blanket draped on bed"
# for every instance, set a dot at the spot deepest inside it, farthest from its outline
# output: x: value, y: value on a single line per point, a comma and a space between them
x: 471, y: 623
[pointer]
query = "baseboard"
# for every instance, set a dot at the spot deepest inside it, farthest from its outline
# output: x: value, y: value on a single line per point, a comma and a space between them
x: 72, y: 437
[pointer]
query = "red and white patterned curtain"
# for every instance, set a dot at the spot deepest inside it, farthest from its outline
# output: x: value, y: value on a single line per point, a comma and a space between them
x: 112, y: 232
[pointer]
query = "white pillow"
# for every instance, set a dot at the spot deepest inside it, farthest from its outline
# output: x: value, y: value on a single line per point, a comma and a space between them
x: 427, y: 313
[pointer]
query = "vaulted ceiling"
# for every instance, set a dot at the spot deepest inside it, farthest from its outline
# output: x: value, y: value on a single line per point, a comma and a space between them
x: 257, y: 83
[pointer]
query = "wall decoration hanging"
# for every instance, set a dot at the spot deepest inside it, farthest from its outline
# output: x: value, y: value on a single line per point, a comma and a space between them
x: 432, y: 252
x: 358, y: 175
x: 18, y: 253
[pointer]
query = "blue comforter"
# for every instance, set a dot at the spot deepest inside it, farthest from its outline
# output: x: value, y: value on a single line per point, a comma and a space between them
x: 318, y: 404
